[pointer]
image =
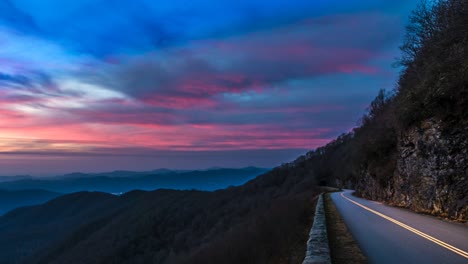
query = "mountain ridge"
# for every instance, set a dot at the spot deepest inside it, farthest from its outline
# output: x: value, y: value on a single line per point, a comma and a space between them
x: 123, y: 181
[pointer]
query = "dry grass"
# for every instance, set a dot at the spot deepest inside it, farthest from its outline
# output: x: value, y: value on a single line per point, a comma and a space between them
x: 343, y: 248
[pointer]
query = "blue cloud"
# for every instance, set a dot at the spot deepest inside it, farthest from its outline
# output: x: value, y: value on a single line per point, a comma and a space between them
x: 177, y: 75
x: 16, y: 18
x: 103, y: 27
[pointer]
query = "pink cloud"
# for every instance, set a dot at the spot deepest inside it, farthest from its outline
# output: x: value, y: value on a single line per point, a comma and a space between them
x: 178, y: 102
x: 179, y: 98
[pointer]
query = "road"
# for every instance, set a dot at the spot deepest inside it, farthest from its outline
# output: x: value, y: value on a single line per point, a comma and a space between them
x: 394, y: 235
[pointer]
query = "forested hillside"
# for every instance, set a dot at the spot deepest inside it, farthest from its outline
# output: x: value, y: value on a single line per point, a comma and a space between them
x: 411, y: 148
x: 264, y: 221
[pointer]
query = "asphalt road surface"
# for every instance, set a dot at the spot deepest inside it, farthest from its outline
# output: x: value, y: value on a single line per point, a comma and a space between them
x: 394, y: 235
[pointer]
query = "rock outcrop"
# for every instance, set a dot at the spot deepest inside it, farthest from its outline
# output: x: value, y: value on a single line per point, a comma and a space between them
x: 431, y: 172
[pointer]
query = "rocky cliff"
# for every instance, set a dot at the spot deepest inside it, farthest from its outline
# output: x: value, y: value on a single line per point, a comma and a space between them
x: 430, y: 174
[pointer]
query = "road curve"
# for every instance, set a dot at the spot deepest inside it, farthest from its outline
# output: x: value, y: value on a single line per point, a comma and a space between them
x: 394, y: 235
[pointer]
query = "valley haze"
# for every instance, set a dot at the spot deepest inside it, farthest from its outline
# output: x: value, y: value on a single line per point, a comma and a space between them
x: 25, y: 191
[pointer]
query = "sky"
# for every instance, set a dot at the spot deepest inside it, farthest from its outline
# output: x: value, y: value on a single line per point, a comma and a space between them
x: 99, y: 85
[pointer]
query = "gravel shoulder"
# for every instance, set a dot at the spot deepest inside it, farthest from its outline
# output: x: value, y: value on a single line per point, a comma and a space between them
x: 343, y: 248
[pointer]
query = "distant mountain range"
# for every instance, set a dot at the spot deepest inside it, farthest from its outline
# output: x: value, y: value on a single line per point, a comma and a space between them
x: 118, y: 182
x: 12, y: 199
x: 14, y: 178
x: 265, y: 220
x: 17, y: 191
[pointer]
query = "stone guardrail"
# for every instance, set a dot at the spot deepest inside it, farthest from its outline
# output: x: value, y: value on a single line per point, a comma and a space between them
x: 318, y: 251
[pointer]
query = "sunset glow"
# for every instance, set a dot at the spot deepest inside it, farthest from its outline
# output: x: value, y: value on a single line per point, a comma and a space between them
x: 102, y: 80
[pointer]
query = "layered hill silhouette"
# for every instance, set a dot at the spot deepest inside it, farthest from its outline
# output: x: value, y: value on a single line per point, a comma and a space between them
x: 124, y: 181
x: 263, y: 221
x: 20, y: 191
x: 12, y: 199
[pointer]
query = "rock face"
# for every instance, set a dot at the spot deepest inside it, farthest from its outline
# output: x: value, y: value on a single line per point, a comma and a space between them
x: 431, y: 172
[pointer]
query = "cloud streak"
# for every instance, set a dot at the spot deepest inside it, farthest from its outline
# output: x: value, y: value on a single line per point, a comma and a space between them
x: 129, y: 78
